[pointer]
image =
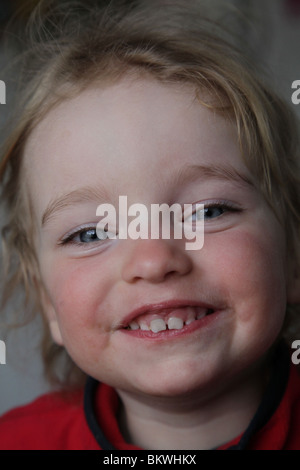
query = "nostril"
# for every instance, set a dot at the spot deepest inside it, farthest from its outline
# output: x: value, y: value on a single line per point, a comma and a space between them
x: 154, y: 261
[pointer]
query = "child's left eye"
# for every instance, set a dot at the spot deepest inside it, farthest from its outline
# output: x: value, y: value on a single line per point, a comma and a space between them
x: 212, y: 211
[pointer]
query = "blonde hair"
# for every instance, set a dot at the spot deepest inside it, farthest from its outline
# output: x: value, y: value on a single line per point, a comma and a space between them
x: 78, y: 44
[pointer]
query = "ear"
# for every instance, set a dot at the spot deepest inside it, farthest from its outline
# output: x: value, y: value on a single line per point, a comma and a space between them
x: 50, y: 314
x: 55, y: 332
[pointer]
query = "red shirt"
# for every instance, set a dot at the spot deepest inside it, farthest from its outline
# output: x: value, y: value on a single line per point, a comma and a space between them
x: 86, y: 420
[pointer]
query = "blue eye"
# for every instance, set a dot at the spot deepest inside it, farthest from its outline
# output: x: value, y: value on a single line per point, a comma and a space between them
x: 213, y: 211
x: 85, y: 236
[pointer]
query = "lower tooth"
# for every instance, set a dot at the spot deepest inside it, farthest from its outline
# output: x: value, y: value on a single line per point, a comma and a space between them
x: 175, y: 323
x: 190, y: 320
x: 201, y: 313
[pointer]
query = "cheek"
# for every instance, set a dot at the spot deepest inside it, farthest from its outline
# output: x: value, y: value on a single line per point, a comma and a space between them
x: 251, y: 268
x: 78, y: 295
x: 79, y: 300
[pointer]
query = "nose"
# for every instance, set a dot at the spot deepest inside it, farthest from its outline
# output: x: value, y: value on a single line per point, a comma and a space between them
x: 154, y: 261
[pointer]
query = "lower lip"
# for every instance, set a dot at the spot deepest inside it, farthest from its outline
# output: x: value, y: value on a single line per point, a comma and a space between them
x: 164, y: 335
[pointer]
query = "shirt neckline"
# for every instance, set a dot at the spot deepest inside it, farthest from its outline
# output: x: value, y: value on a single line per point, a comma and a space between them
x: 271, y: 399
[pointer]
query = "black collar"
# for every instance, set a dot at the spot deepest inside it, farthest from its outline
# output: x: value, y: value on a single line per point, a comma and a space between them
x: 270, y: 401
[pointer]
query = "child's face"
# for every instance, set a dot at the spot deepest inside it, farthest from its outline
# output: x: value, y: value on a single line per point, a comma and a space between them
x: 155, y: 144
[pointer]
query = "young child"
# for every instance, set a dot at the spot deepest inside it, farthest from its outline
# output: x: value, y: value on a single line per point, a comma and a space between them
x: 183, y: 349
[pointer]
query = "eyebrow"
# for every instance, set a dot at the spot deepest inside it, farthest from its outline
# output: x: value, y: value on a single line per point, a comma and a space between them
x: 191, y: 173
x: 185, y: 174
x: 78, y: 196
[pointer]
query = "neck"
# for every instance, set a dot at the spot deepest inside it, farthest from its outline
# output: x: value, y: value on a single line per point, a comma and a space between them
x: 191, y: 421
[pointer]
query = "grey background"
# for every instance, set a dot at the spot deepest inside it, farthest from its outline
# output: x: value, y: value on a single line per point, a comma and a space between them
x: 275, y: 36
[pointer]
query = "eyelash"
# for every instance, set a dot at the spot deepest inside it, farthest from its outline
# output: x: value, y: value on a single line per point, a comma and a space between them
x: 224, y: 205
x: 69, y: 239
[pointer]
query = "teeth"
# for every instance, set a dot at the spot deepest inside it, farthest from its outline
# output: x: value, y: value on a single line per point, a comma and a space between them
x: 190, y: 320
x: 144, y: 326
x: 175, y: 323
x: 158, y: 324
x: 191, y: 316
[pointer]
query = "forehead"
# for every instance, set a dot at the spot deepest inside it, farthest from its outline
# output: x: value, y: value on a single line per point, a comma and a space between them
x: 135, y: 130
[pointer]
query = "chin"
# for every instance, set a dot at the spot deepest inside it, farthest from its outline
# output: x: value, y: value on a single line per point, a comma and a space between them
x: 178, y: 382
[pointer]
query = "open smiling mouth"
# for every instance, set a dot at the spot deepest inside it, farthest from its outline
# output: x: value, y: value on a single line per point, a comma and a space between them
x: 165, y: 319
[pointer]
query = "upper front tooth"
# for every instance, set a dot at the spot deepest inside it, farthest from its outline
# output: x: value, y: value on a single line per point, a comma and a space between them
x: 175, y: 323
x: 134, y: 325
x: 158, y: 324
x: 144, y: 326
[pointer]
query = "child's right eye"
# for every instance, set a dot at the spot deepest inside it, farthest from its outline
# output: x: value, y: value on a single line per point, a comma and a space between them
x: 85, y: 236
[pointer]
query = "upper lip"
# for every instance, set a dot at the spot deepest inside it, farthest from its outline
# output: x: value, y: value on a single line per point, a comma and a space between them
x: 162, y: 306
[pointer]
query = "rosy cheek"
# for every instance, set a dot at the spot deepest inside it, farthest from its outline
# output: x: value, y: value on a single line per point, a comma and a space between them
x: 249, y: 266
x: 69, y: 288
x: 78, y: 301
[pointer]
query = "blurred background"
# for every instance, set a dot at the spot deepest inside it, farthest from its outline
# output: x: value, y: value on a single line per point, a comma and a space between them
x: 272, y: 31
